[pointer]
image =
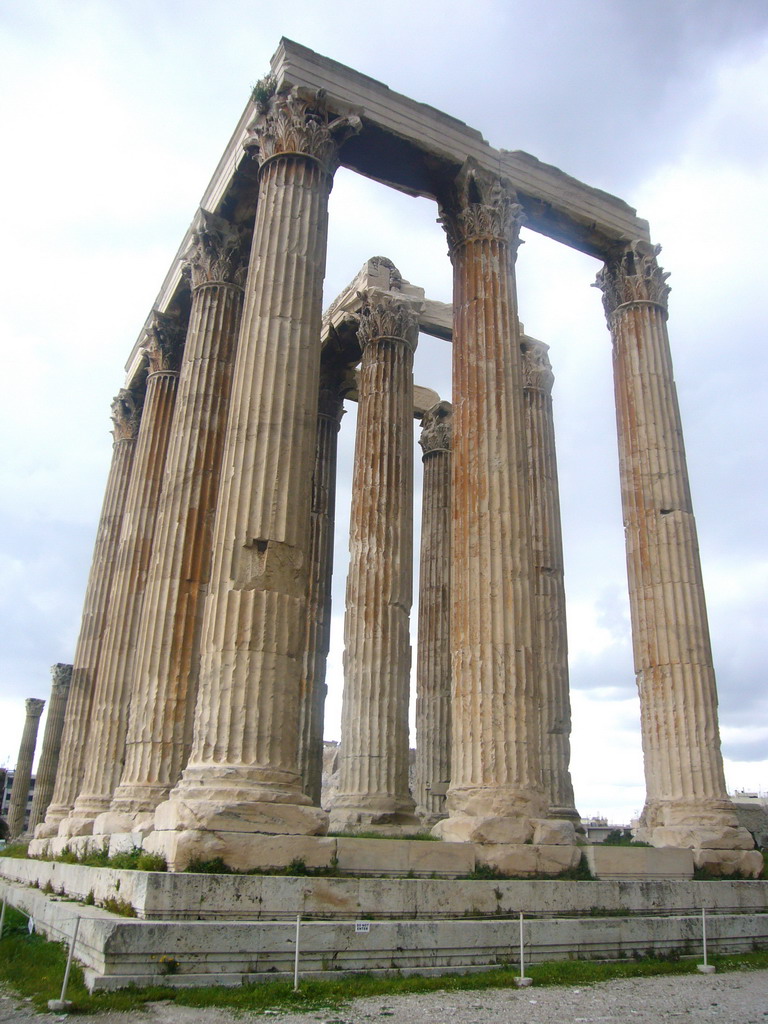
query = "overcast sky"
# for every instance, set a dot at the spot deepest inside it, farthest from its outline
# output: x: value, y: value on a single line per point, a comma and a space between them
x: 114, y: 117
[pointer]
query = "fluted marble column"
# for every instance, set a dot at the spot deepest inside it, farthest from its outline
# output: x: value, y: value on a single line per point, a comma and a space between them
x: 686, y: 798
x: 23, y: 773
x: 550, y: 635
x: 312, y: 689
x: 49, y: 755
x: 112, y: 692
x: 496, y: 790
x: 373, y: 761
x: 433, y: 653
x: 168, y: 649
x: 126, y: 416
x: 243, y: 774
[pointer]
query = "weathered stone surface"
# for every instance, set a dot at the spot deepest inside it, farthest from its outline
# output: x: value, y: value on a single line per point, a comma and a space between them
x: 485, y: 829
x: 159, y: 732
x: 312, y: 688
x: 550, y: 832
x: 703, y: 837
x: 20, y: 789
x: 373, y: 758
x: 402, y: 857
x: 242, y: 851
x: 747, y: 863
x: 495, y: 765
x: 112, y: 692
x: 49, y: 755
x: 244, y: 759
x: 673, y: 659
x: 550, y: 633
x: 126, y: 415
x: 638, y: 862
x: 514, y: 859
x: 433, y: 661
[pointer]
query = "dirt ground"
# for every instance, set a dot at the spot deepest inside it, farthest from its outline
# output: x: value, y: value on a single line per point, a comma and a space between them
x: 734, y: 998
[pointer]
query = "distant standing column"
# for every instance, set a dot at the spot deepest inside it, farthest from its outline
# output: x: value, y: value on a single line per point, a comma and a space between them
x: 49, y: 756
x: 168, y: 646
x: 496, y: 791
x: 551, y: 635
x: 687, y: 803
x: 318, y: 639
x: 242, y: 775
x: 112, y: 694
x: 126, y: 416
x: 23, y: 773
x: 433, y: 652
x: 373, y: 762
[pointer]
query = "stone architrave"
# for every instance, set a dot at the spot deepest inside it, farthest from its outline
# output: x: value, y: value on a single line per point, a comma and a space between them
x: 126, y: 416
x: 168, y: 649
x: 550, y: 635
x: 312, y: 689
x: 373, y: 760
x: 242, y: 775
x: 433, y: 653
x: 112, y: 692
x: 686, y: 798
x: 496, y: 791
x: 49, y: 755
x: 21, y: 779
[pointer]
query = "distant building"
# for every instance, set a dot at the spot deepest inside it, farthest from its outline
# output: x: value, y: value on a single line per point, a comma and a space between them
x: 597, y: 829
x: 5, y: 795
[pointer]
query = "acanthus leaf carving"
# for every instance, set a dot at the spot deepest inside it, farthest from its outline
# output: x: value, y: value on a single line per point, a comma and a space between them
x: 632, y: 274
x: 164, y: 343
x: 437, y: 428
x: 482, y: 206
x: 127, y: 406
x: 61, y: 677
x: 217, y: 253
x: 537, y: 369
x: 298, y: 122
x: 387, y: 315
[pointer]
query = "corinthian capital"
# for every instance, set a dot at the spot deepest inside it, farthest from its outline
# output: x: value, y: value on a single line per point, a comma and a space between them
x: 437, y: 428
x: 126, y: 414
x: 34, y: 707
x: 216, y: 255
x: 537, y: 369
x: 61, y: 677
x: 164, y: 342
x: 387, y: 315
x: 298, y: 122
x: 482, y: 206
x: 632, y: 274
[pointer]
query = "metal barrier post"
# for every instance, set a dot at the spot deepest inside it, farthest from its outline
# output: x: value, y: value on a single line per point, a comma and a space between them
x: 522, y: 981
x: 62, y: 1003
x: 705, y: 968
x: 2, y: 918
x: 296, y: 955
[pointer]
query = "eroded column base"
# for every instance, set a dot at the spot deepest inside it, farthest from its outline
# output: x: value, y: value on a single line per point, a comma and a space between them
x: 702, y: 825
x: 385, y: 814
x: 506, y: 830
x: 76, y: 825
x: 745, y: 863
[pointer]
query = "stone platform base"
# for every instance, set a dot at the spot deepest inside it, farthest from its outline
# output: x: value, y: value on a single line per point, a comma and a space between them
x: 118, y: 951
x: 155, y: 895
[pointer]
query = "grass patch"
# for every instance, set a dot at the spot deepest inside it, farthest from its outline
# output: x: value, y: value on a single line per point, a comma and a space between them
x: 34, y: 968
x: 15, y: 850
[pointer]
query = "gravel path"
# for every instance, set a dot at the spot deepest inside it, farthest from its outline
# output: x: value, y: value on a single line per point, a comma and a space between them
x: 736, y: 998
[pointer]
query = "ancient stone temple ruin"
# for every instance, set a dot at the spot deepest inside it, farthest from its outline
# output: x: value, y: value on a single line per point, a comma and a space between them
x: 195, y: 717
